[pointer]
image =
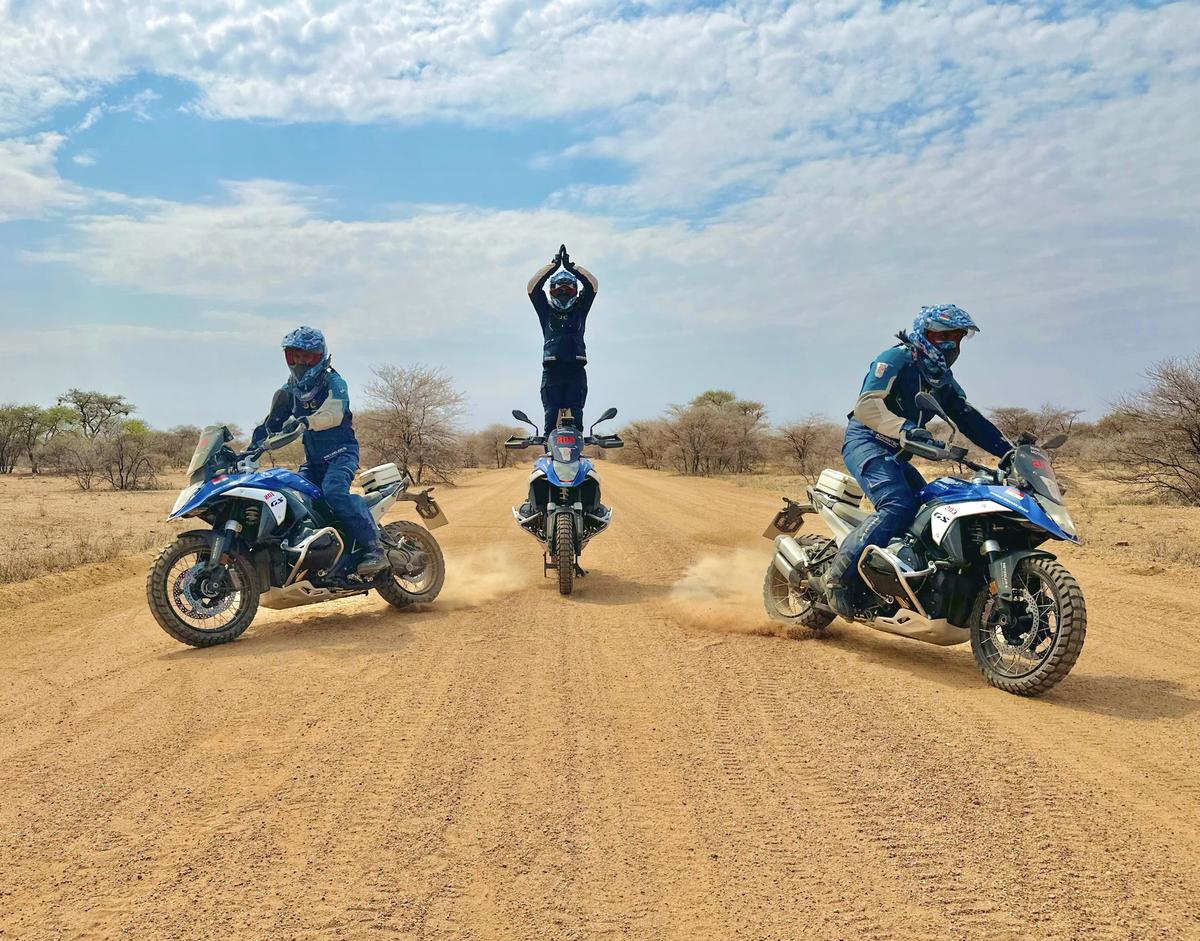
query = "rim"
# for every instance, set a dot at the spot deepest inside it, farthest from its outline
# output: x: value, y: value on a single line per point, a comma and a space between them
x: 1018, y: 638
x: 422, y: 580
x: 786, y: 600
x: 204, y: 604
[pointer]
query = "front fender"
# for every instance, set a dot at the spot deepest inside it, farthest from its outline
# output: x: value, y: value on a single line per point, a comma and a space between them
x: 1001, y: 568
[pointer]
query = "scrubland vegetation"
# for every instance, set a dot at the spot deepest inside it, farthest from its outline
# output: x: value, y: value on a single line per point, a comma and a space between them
x: 1129, y: 473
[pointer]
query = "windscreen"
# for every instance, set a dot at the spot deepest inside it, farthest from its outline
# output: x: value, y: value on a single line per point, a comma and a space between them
x: 1033, y: 466
x: 565, y: 445
x: 212, y: 439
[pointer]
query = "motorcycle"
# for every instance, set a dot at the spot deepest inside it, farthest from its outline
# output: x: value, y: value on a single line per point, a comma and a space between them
x: 969, y: 568
x: 564, y: 511
x: 273, y: 542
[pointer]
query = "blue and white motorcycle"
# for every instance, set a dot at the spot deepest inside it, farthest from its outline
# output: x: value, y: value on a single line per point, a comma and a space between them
x: 969, y: 568
x: 273, y: 542
x: 564, y: 511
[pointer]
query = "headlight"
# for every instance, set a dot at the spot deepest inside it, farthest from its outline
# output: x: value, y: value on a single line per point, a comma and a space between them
x: 185, y: 497
x: 566, y: 472
x: 1058, y: 513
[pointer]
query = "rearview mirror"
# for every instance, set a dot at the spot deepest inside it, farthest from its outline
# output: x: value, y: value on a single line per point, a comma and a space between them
x: 608, y: 413
x: 1054, y: 443
x: 927, y: 403
x: 521, y: 416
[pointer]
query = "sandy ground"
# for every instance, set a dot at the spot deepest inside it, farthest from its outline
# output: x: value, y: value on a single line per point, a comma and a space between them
x: 48, y: 524
x: 637, y: 761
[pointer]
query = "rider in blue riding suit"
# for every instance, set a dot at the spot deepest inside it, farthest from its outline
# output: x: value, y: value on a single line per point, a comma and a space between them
x: 563, y: 316
x: 884, y: 417
x: 316, y: 397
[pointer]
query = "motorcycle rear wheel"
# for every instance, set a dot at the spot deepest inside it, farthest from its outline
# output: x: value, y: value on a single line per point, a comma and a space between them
x: 791, y: 606
x: 564, y: 552
x: 399, y: 591
x: 1043, y: 643
x: 181, y: 607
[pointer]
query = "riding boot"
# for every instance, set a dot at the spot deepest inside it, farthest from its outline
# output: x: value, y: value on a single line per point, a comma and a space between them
x: 373, y: 561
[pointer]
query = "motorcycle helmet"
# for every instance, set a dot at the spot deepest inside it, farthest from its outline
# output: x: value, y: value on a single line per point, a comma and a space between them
x: 936, y: 337
x: 564, y: 290
x: 307, y: 361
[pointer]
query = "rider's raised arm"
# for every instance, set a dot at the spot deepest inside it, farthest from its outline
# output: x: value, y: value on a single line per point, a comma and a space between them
x: 588, y: 281
x: 333, y: 410
x: 281, y: 410
x: 538, y: 281
x: 871, y: 408
x: 972, y: 423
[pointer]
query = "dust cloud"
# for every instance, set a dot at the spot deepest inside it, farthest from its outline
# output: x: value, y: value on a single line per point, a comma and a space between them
x: 478, y: 576
x: 722, y: 591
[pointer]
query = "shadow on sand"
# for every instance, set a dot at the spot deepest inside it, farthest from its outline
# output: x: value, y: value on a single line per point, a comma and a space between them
x: 348, y: 633
x: 1119, y: 697
x: 604, y: 588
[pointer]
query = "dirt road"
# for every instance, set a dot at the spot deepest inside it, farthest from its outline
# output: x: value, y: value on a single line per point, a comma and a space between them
x: 632, y: 762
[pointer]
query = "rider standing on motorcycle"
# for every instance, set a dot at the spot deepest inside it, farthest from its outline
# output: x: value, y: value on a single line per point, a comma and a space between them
x: 315, y: 397
x: 563, y: 316
x: 885, y: 417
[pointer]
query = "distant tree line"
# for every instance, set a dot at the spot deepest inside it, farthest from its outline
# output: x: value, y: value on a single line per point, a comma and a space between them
x: 413, y: 416
x: 91, y: 437
x: 1149, y: 439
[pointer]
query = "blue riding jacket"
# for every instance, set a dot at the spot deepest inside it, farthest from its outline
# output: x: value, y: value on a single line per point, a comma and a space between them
x: 330, y: 431
x: 886, y: 407
x: 562, y: 330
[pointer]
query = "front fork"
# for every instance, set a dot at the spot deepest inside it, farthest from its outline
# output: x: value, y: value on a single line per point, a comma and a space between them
x: 220, y: 542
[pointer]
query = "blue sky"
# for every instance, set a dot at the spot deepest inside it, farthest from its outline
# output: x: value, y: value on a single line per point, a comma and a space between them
x: 766, y: 191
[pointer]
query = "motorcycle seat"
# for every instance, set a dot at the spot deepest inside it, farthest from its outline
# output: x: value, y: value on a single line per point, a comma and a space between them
x: 849, y: 514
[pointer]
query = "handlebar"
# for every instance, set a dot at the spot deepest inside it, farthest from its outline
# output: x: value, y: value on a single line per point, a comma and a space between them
x: 515, y: 444
x: 600, y: 441
x: 938, y: 451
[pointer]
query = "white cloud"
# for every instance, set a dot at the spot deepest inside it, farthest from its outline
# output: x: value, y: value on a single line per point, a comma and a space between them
x: 823, y: 166
x: 697, y: 100
x: 29, y: 182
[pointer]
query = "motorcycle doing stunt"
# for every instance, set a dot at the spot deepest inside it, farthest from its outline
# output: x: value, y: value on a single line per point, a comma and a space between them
x: 273, y: 542
x: 564, y: 511
x: 969, y: 568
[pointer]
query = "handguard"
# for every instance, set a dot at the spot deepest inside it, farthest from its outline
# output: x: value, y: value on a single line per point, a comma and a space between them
x: 932, y: 450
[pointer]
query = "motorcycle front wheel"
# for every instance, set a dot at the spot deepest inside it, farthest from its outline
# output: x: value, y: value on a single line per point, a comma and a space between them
x: 400, y: 589
x: 196, y: 605
x: 564, y: 552
x: 1030, y: 644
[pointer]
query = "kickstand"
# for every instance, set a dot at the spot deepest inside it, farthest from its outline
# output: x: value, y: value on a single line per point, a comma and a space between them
x: 580, y: 570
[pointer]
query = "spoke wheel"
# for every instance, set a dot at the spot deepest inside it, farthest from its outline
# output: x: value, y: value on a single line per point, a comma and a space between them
x: 790, y: 605
x: 197, y: 604
x: 1028, y: 645
x: 421, y: 582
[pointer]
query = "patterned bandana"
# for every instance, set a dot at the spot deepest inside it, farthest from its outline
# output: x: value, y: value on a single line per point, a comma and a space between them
x: 932, y: 361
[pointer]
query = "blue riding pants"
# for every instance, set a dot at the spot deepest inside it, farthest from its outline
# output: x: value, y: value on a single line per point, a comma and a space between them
x: 892, y: 486
x: 564, y: 385
x: 334, y: 476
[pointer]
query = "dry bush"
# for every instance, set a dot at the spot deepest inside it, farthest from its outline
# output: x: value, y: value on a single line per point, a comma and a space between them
x: 85, y: 549
x: 1158, y: 453
x: 76, y: 457
x: 1043, y: 423
x: 646, y: 444
x: 413, y: 421
x: 129, y: 459
x: 808, y: 446
x: 485, y: 448
x: 716, y: 433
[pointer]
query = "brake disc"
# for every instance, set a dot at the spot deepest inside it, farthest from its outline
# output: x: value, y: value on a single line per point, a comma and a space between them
x: 190, y: 598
